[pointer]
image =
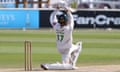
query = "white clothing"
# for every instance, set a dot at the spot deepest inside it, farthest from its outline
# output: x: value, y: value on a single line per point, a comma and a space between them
x: 69, y: 51
x: 72, y: 55
x: 58, y: 66
x: 63, y: 34
x: 64, y: 37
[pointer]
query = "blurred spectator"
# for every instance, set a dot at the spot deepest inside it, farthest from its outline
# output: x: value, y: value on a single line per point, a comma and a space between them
x: 99, y: 4
x: 103, y: 6
x: 83, y: 5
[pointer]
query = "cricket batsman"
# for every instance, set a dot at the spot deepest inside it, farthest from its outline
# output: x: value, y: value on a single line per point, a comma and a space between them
x: 63, y: 25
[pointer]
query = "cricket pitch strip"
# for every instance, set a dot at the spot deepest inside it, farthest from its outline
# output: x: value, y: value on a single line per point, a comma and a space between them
x: 100, y: 68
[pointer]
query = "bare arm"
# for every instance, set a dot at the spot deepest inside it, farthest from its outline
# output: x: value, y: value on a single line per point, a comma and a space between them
x: 53, y: 19
x: 70, y: 18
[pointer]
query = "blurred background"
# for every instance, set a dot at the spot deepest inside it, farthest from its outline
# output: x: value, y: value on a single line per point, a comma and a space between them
x: 97, y: 24
x: 96, y: 4
x: 89, y: 13
x: 99, y: 4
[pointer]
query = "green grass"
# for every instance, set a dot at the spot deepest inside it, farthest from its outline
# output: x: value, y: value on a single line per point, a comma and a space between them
x: 99, y: 47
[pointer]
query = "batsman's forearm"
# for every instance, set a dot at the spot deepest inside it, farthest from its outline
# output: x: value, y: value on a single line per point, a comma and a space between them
x: 70, y: 17
x: 53, y: 17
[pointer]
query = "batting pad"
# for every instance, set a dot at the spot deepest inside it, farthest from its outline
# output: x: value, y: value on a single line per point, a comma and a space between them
x: 57, y: 66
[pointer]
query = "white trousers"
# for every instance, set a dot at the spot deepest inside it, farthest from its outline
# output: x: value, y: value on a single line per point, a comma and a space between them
x: 69, y: 58
x: 67, y: 54
x: 58, y: 66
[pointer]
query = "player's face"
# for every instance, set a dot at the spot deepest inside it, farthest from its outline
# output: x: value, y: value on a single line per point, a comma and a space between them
x: 62, y: 22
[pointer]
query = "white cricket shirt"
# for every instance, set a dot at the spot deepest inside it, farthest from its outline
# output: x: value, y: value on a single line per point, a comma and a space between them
x: 63, y: 34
